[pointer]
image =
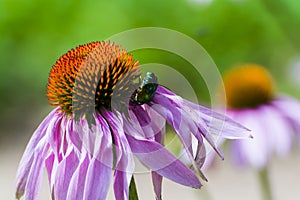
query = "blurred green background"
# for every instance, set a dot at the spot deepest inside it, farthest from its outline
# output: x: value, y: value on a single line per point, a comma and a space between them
x: 33, y: 34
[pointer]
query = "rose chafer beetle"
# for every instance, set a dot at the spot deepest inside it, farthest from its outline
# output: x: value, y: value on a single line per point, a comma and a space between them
x: 146, y: 90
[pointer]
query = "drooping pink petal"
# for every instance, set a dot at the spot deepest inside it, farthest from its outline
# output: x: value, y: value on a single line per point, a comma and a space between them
x: 55, y: 135
x: 158, y: 123
x: 183, y: 121
x: 22, y: 176
x: 290, y: 109
x: 49, y: 163
x: 55, y: 138
x: 63, y: 175
x: 73, y: 134
x: 35, y: 176
x: 86, y: 136
x: 255, y: 151
x: 280, y: 131
x: 30, y: 151
x: 124, y: 158
x: 160, y: 160
x: 121, y: 184
x: 155, y: 125
x: 77, y: 182
x: 97, y: 180
x: 145, y: 122
x: 157, y: 184
x: 92, y: 176
x: 200, y: 155
x: 176, y: 119
x: 217, y: 124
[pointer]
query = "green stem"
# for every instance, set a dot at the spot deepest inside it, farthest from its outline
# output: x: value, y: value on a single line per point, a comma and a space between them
x: 132, y: 190
x: 265, y: 184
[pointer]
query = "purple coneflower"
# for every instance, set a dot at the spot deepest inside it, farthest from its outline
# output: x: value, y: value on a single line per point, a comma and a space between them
x: 273, y: 120
x: 102, y: 118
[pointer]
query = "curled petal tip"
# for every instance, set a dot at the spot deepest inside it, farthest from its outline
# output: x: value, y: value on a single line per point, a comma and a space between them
x: 18, y: 195
x: 250, y: 135
x: 203, y: 176
x: 220, y: 154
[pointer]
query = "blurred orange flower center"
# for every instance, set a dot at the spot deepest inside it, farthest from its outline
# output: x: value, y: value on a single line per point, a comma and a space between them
x: 248, y: 86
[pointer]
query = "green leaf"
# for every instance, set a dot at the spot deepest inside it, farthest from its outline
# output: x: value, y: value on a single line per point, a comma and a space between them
x: 132, y: 190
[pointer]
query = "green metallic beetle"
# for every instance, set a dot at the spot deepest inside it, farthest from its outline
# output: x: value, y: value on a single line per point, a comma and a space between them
x: 146, y: 90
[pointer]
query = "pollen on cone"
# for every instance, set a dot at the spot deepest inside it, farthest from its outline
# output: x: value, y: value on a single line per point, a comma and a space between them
x: 88, y: 75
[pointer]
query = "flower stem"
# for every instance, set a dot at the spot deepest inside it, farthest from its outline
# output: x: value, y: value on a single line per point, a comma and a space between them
x: 265, y: 184
x: 132, y: 190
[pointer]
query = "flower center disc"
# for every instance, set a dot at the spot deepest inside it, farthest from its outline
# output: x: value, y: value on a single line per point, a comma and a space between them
x: 85, y: 78
x: 248, y: 86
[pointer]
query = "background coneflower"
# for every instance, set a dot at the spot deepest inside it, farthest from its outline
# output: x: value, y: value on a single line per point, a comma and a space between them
x: 273, y: 119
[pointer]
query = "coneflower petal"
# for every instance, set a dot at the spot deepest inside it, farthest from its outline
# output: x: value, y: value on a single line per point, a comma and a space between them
x: 121, y: 184
x: 63, y: 175
x: 29, y: 154
x: 77, y: 183
x: 252, y: 152
x: 97, y: 180
x: 124, y: 158
x: 290, y: 109
x: 157, y: 184
x: 279, y: 142
x: 35, y: 175
x: 217, y: 124
x: 160, y: 160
